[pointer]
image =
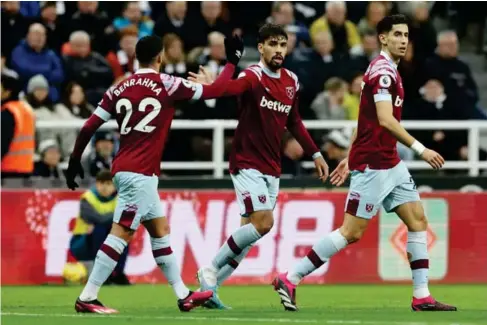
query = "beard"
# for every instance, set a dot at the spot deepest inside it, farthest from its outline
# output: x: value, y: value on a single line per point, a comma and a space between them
x: 273, y: 65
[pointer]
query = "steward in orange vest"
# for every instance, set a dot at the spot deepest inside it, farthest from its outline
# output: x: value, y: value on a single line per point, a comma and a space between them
x: 18, y: 131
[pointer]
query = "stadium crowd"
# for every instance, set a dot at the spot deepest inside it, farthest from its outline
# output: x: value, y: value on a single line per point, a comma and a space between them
x: 59, y: 58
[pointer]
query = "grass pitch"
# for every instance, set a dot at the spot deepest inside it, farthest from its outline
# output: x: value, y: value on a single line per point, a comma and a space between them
x: 328, y: 304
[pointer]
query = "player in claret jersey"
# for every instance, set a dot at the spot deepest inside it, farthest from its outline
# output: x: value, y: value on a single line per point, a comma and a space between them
x: 268, y: 104
x: 143, y: 107
x: 379, y: 177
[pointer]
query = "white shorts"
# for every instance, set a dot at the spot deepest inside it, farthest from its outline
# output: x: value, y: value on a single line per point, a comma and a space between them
x: 255, y: 191
x: 375, y: 187
x: 138, y: 199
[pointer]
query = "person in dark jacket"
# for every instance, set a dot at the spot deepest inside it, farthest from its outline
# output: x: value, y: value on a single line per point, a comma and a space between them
x: 87, y: 68
x: 14, y: 26
x: 31, y: 57
x: 94, y: 223
x: 48, y: 166
x: 102, y: 157
x: 454, y: 74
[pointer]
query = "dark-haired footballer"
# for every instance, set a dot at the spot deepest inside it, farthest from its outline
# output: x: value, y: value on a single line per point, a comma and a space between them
x: 378, y: 177
x: 268, y: 104
x: 143, y: 107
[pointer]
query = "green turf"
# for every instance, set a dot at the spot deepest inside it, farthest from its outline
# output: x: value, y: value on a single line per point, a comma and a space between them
x: 146, y: 304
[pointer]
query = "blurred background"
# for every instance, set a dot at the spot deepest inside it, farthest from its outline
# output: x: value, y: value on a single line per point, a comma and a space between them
x: 59, y: 57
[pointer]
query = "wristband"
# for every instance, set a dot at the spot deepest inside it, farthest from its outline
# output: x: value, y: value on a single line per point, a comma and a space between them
x: 316, y: 155
x: 418, y: 147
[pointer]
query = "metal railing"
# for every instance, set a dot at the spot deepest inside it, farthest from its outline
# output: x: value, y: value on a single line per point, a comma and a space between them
x: 218, y: 165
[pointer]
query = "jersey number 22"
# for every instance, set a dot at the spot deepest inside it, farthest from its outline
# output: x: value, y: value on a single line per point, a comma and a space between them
x: 142, y: 125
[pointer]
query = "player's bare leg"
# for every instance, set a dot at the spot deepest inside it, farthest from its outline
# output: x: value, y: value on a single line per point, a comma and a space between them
x: 350, y: 232
x: 105, y: 262
x: 235, y: 249
x: 224, y: 273
x: 412, y: 214
x: 159, y: 231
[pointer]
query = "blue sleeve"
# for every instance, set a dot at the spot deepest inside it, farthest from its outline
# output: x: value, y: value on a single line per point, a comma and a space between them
x: 17, y: 62
x: 57, y: 73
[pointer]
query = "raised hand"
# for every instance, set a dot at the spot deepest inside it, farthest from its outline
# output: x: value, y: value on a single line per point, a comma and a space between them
x: 234, y: 49
x: 203, y: 76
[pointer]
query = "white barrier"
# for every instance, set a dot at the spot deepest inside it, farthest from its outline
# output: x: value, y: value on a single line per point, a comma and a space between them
x: 218, y: 165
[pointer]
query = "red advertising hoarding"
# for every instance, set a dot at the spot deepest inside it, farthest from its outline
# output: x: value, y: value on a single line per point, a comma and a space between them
x: 36, y: 234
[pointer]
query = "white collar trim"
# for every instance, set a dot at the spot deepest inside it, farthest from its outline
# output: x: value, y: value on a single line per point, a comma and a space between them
x: 145, y: 70
x: 384, y: 54
x: 269, y: 72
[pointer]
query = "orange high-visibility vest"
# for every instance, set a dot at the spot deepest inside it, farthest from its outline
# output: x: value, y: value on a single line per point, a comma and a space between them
x: 20, y: 155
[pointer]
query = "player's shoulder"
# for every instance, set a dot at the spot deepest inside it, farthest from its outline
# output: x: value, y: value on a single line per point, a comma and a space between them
x: 252, y: 71
x: 289, y: 74
x: 380, y: 67
x: 170, y: 83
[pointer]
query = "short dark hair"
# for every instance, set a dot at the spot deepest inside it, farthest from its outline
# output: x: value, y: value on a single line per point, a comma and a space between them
x: 147, y: 49
x: 103, y: 176
x: 271, y: 30
x: 385, y: 25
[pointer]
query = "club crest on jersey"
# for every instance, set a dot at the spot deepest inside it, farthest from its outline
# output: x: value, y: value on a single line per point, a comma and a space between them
x: 262, y: 198
x: 290, y: 92
x: 369, y: 207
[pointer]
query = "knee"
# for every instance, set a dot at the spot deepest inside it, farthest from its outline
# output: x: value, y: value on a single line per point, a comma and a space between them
x: 352, y: 235
x: 122, y: 232
x: 263, y: 221
x: 419, y: 223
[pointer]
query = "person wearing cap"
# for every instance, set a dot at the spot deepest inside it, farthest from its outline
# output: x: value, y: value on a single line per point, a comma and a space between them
x: 335, y: 148
x: 18, y: 132
x: 93, y: 224
x: 48, y: 166
x: 44, y: 109
x: 102, y: 157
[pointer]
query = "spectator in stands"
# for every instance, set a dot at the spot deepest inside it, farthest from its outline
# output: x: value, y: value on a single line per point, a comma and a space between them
x: 323, y: 64
x: 14, y: 26
x: 351, y: 102
x: 410, y: 71
x: 55, y: 27
x: 45, y: 110
x: 210, y: 21
x: 435, y: 105
x: 32, y: 57
x: 87, y: 68
x: 335, y: 147
x: 174, y: 22
x: 376, y: 10
x: 132, y: 16
x: 282, y: 13
x: 123, y: 61
x: 343, y: 32
x: 93, y: 224
x: 96, y: 23
x: 17, y: 125
x: 104, y: 152
x: 74, y: 101
x: 174, y: 57
x: 328, y: 105
x: 453, y: 73
x: 368, y: 51
x: 422, y: 32
x: 48, y: 166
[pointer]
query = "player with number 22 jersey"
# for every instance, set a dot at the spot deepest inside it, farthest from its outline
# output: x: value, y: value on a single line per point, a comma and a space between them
x: 143, y: 106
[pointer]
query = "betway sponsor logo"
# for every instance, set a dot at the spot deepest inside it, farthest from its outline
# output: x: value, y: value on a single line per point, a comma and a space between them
x: 275, y: 105
x: 294, y: 232
x: 398, y: 102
